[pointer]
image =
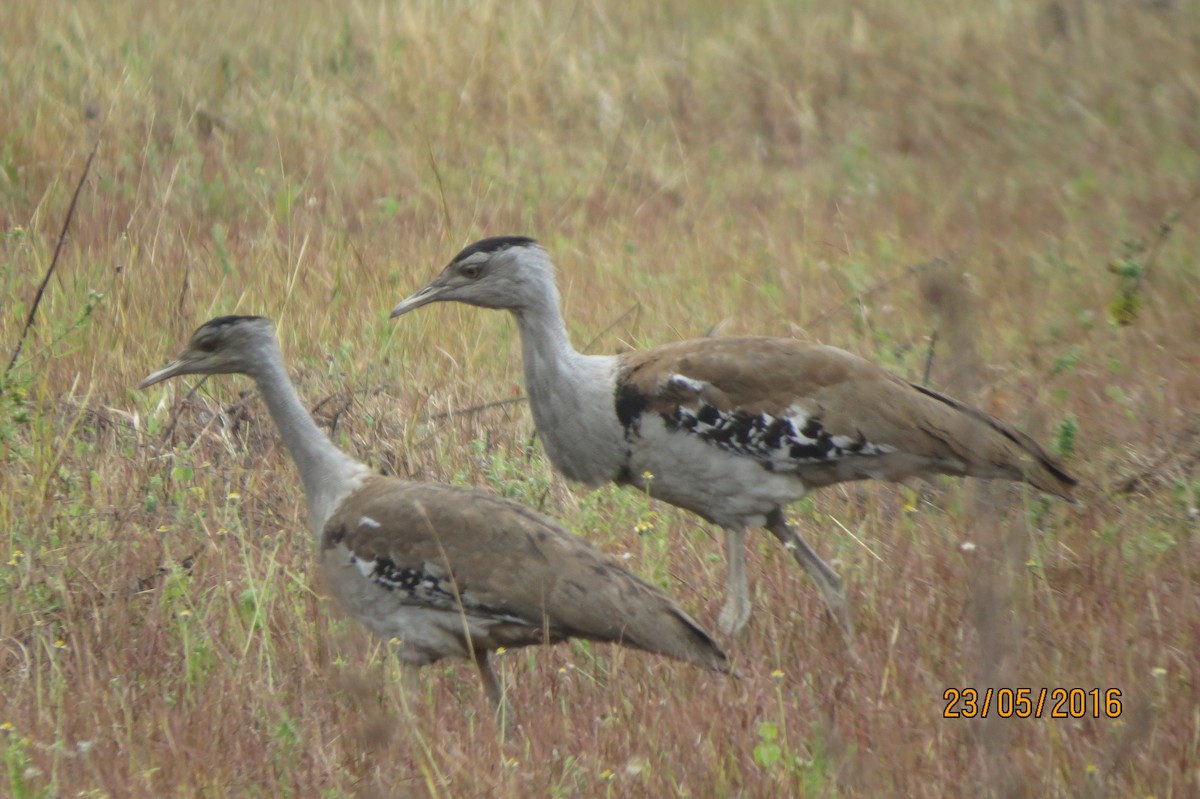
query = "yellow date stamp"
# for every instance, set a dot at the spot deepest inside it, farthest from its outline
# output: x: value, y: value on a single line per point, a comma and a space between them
x: 1032, y: 703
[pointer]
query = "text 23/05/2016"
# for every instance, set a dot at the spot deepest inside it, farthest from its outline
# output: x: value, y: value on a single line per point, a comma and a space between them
x: 1024, y: 703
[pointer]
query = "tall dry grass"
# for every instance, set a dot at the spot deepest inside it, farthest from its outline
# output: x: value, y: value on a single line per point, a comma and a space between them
x: 1019, y: 179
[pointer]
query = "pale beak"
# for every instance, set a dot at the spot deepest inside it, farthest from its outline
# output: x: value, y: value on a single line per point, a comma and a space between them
x: 170, y: 370
x: 423, y: 297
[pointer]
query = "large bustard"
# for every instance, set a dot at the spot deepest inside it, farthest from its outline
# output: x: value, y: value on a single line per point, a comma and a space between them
x: 440, y: 571
x: 732, y: 429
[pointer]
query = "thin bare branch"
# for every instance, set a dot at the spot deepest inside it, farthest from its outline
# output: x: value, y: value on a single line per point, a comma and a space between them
x: 635, y: 308
x: 471, y: 409
x: 62, y: 238
x: 858, y: 299
x: 929, y: 359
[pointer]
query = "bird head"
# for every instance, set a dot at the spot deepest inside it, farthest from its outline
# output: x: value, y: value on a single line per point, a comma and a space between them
x: 507, y: 272
x: 225, y: 345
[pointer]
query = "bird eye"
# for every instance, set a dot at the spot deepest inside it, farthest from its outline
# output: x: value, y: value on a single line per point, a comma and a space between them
x: 471, y: 271
x: 207, y: 345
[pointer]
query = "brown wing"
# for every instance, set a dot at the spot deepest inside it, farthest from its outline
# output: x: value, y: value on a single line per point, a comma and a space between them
x: 844, y: 408
x: 461, y: 548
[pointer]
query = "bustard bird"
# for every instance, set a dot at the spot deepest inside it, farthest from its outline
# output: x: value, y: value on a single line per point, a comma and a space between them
x: 732, y: 429
x: 443, y: 571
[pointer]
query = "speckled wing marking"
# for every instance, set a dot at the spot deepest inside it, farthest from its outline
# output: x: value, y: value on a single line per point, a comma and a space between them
x: 427, y: 586
x: 777, y: 441
x: 416, y: 581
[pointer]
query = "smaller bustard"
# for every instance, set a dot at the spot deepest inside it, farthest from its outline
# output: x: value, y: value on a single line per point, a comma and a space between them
x: 732, y: 429
x: 442, y: 571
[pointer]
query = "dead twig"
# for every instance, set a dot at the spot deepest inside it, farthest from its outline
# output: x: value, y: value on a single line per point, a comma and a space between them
x: 41, y: 292
x: 1164, y: 230
x: 475, y: 408
x: 347, y: 402
x: 145, y: 583
x: 635, y: 308
x: 858, y: 299
x: 1141, y: 254
x: 929, y: 359
x: 1190, y: 434
x: 169, y: 431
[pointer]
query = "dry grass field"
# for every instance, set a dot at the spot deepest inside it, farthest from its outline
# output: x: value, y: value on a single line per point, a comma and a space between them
x: 1003, y: 195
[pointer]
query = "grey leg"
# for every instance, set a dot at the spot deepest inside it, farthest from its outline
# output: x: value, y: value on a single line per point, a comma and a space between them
x: 826, y: 578
x: 410, y: 678
x: 736, y: 611
x: 495, y: 694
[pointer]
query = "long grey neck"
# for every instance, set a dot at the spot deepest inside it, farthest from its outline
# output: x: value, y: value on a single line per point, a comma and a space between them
x: 327, y: 472
x: 571, y: 395
x: 550, y: 360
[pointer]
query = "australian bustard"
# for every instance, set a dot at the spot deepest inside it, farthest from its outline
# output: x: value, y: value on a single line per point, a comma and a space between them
x: 441, y: 571
x: 732, y: 429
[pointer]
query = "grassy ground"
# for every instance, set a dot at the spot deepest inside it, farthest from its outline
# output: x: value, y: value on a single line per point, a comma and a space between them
x: 1019, y: 179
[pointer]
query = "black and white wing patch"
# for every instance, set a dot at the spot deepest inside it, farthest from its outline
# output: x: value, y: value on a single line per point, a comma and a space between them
x: 426, y: 583
x: 794, y: 438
